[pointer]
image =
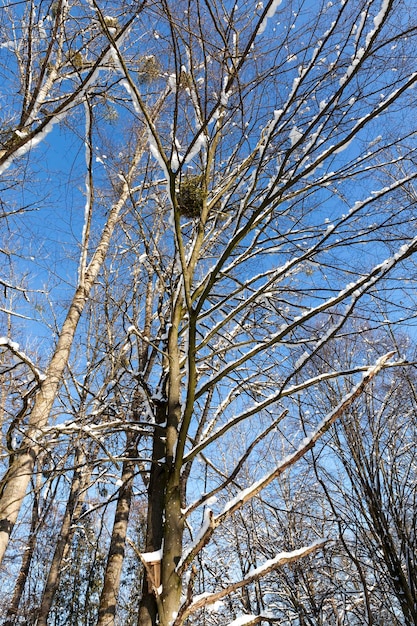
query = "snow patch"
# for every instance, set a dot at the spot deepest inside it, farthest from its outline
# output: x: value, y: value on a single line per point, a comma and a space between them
x: 149, y: 557
x: 270, y: 13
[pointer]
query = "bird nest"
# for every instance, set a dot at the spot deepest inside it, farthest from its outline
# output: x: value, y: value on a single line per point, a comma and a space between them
x: 190, y: 196
x: 149, y: 68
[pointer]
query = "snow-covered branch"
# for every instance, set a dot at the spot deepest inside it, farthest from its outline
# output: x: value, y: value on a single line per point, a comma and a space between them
x: 279, y: 560
x: 355, y: 290
x: 306, y: 445
x: 13, y: 347
x: 27, y: 138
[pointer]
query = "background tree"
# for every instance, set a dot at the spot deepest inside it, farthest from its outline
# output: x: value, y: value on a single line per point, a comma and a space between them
x: 370, y: 485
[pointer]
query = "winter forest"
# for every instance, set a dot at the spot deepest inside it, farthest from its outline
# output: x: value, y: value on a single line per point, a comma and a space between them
x: 208, y: 383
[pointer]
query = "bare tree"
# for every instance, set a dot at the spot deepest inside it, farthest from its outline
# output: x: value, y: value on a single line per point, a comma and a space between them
x: 244, y: 215
x: 372, y: 493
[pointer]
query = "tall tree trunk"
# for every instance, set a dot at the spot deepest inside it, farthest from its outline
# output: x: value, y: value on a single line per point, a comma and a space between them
x: 173, y: 534
x: 108, y: 600
x: 73, y: 510
x: 13, y: 610
x: 170, y: 593
x: 154, y: 527
x: 14, y: 484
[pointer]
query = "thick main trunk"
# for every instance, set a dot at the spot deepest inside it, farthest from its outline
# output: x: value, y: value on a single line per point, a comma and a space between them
x: 148, y: 611
x: 108, y: 600
x: 170, y: 593
x: 173, y: 532
x: 160, y: 603
x: 163, y: 504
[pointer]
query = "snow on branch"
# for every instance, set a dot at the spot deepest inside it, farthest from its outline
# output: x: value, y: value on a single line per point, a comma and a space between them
x: 200, y: 541
x: 379, y: 20
x: 206, y: 498
x: 34, y: 138
x: 209, y: 437
x: 279, y: 560
x: 246, y: 620
x: 151, y: 561
x: 89, y: 193
x: 30, y: 138
x: 213, y: 521
x: 22, y: 356
x: 307, y: 444
x: 355, y: 289
x: 268, y: 13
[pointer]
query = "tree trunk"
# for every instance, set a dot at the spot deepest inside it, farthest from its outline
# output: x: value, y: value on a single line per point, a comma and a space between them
x: 15, y: 482
x: 72, y: 511
x: 13, y: 610
x: 154, y: 529
x: 170, y: 593
x: 108, y: 600
x: 171, y: 582
x: 17, y: 477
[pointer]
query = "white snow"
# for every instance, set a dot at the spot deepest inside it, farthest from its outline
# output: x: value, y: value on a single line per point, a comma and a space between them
x: 39, y: 135
x: 379, y: 18
x: 34, y: 141
x: 5, y: 341
x: 270, y: 13
x: 295, y: 135
x: 216, y: 606
x: 207, y: 599
x: 224, y: 96
x: 172, y: 82
x: 199, y: 144
x: 149, y: 557
x: 242, y: 620
x: 14, y: 347
x: 207, y: 523
x: 257, y: 486
x: 153, y: 147
x: 126, y: 85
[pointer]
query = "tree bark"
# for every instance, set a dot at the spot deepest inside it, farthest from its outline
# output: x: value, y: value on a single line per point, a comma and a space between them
x: 15, y: 482
x: 108, y: 600
x: 72, y: 511
x: 154, y: 528
x: 13, y: 610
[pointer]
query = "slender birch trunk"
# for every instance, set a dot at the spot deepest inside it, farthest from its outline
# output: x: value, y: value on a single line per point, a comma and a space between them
x: 14, y: 484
